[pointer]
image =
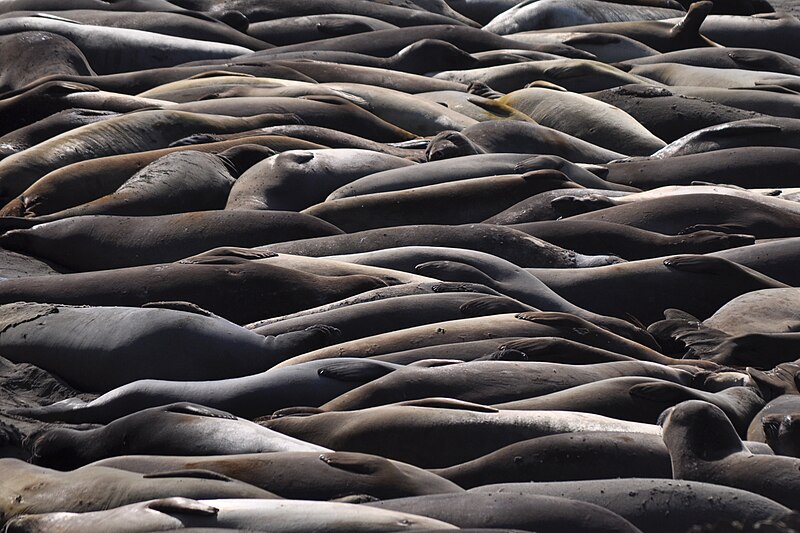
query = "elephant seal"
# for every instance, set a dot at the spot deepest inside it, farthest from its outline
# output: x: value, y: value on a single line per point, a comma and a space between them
x: 42, y: 53
x: 431, y: 173
x: 303, y: 475
x: 310, y: 384
x: 668, y: 115
x: 179, y: 182
x: 287, y: 516
x: 781, y: 433
x: 727, y: 57
x: 662, y: 35
x: 527, y: 324
x: 411, y: 113
x: 773, y: 258
x: 460, y: 265
x: 677, y: 277
x: 461, y: 202
x: 331, y: 138
x: 400, y: 312
x: 30, y: 489
x: 409, y: 288
x: 407, y: 432
x: 704, y: 446
x: 535, y: 513
x: 658, y: 505
x: 553, y: 205
x: 577, y: 75
x: 684, y: 213
x: 775, y: 424
x: 762, y: 131
x: 259, y: 290
x: 749, y: 167
x: 323, y: 72
x: 513, y: 385
x: 24, y: 107
x: 182, y: 23
x: 188, y: 429
x: 398, y: 13
x: 566, y: 457
x: 331, y: 111
x: 545, y: 14
x: 585, y: 118
x: 139, y: 81
x: 524, y: 137
x: 26, y: 136
x: 606, y: 47
x: 117, y: 135
x: 297, y: 179
x: 294, y: 30
x: 543, y: 349
x: 643, y: 399
x: 498, y: 241
x: 113, y: 50
x: 384, y: 43
x: 678, y: 74
x: 425, y: 55
x: 772, y: 101
x: 84, y: 181
x: 473, y: 106
x: 763, y: 311
x: 624, y: 241
x: 121, y: 344
x: 98, y: 243
x: 765, y: 30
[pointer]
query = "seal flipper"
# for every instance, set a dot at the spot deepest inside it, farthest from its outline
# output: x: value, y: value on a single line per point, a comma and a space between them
x: 179, y: 305
x: 227, y: 255
x: 454, y: 271
x: 492, y: 305
x: 733, y: 229
x: 351, y: 462
x: 666, y: 392
x: 196, y: 473
x: 449, y: 144
x: 341, y: 28
x: 559, y: 350
x: 781, y: 380
x: 505, y: 354
x: 699, y: 264
x: 689, y: 25
x: 294, y: 343
x: 182, y: 505
x: 292, y: 411
x: 499, y: 109
x: 479, y: 88
x: 50, y: 412
x: 567, y: 206
x: 187, y: 408
x: 449, y: 403
x: 355, y: 371
x: 737, y: 129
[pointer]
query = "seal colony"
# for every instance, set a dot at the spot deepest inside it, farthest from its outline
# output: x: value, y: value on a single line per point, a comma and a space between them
x: 361, y: 265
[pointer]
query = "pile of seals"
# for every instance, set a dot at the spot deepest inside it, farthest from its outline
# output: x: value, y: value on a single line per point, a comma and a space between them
x: 355, y: 265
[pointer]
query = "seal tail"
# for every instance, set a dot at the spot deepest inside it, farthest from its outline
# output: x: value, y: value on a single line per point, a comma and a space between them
x: 682, y: 329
